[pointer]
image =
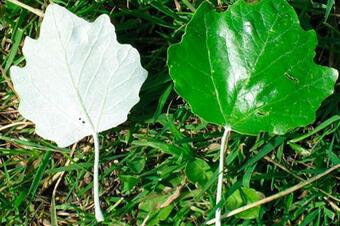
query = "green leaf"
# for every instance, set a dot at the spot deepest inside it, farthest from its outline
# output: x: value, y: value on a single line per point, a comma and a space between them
x: 250, y: 68
x: 128, y: 182
x: 166, y: 148
x: 198, y: 171
x: 310, y: 218
x: 151, y: 206
x: 241, y: 197
x: 265, y: 150
x: 38, y: 175
x: 137, y: 164
x: 330, y: 4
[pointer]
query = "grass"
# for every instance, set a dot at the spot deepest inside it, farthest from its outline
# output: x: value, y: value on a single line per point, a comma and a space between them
x: 144, y: 175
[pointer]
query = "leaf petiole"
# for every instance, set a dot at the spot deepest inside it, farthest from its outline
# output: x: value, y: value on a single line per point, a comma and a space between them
x: 224, y: 141
x: 97, y: 210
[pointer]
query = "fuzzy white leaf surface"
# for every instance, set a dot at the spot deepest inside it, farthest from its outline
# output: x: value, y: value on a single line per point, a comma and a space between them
x: 78, y: 80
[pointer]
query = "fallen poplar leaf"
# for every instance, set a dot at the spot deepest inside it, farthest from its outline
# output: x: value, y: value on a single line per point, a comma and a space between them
x: 250, y: 68
x: 78, y: 81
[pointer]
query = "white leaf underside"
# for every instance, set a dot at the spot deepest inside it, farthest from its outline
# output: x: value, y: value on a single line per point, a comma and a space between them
x: 78, y: 80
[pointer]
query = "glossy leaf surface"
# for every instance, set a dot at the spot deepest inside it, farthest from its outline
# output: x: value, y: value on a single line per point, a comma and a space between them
x: 78, y: 80
x: 250, y: 68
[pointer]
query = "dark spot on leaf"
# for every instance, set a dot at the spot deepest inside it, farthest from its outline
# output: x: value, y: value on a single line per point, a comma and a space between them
x: 261, y: 113
x: 290, y: 77
x: 253, y: 1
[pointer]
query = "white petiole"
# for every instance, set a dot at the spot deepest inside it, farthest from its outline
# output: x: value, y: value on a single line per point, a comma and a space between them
x: 220, y: 174
x: 97, y: 210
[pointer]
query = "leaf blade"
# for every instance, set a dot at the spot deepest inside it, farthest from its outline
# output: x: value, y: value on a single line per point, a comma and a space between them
x: 81, y: 80
x: 261, y: 62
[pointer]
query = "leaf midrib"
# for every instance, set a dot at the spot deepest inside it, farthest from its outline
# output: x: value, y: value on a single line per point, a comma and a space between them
x: 211, y: 71
x: 250, y: 74
x: 107, y: 87
x: 81, y: 103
